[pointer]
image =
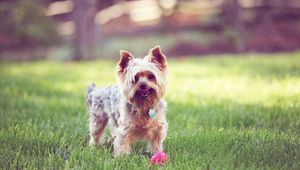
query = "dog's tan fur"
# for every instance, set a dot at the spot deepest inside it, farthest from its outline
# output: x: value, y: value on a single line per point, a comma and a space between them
x: 134, y: 103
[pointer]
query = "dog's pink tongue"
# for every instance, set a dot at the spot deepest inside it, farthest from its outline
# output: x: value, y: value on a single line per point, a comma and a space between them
x: 145, y: 93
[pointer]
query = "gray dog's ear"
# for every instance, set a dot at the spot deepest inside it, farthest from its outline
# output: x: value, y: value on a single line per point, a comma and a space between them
x: 157, y: 57
x: 125, y: 57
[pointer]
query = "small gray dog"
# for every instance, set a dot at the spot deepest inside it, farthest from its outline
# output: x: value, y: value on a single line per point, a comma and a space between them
x: 134, y: 108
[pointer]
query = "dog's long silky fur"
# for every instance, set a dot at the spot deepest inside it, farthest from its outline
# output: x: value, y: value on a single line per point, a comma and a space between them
x: 125, y: 106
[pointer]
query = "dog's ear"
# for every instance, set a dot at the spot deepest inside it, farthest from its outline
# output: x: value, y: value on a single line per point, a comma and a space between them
x: 125, y: 57
x: 157, y: 57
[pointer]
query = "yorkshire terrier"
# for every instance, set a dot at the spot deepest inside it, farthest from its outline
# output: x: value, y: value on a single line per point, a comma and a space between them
x: 134, y: 108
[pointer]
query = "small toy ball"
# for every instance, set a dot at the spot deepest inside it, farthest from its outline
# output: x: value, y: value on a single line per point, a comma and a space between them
x: 159, y: 158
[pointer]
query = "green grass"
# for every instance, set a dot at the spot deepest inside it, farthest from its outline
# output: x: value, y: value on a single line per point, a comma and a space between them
x: 224, y: 113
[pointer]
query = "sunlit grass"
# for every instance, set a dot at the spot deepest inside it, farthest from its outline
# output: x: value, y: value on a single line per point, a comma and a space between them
x: 224, y: 113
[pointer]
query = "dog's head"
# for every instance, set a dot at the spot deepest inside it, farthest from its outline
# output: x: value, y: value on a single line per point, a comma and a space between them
x: 142, y: 81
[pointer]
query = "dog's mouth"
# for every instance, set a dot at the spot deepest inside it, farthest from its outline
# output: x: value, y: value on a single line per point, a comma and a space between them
x: 145, y: 92
x: 144, y: 97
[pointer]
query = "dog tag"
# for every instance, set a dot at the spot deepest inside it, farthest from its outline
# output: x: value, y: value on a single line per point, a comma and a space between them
x: 152, y: 113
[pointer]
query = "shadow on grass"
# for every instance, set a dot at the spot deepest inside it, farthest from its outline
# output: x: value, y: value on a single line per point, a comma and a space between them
x: 217, y: 148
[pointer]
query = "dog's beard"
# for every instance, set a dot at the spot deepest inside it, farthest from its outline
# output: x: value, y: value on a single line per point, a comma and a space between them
x: 145, y: 98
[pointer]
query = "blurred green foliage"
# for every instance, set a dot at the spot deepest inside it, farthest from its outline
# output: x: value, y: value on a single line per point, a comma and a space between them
x: 23, y: 23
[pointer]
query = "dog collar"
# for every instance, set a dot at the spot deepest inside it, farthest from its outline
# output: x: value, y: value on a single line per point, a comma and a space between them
x: 152, y: 113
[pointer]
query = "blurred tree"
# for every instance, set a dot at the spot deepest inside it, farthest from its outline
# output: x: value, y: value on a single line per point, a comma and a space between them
x: 23, y: 24
x: 232, y: 12
x: 80, y: 9
x: 86, y: 29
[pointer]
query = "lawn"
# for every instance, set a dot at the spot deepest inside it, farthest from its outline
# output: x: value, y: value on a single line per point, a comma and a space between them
x: 229, y: 112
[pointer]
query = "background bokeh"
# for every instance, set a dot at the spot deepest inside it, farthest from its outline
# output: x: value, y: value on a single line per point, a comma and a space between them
x: 89, y: 29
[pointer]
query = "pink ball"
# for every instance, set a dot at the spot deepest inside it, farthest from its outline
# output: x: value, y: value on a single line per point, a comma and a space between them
x: 159, y: 158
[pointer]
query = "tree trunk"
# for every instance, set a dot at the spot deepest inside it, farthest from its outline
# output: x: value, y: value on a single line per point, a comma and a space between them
x: 233, y: 18
x: 79, y: 11
x: 90, y: 32
x: 87, y: 31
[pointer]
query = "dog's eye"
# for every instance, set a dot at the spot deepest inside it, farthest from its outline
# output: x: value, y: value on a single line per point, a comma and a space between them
x: 136, y: 78
x: 151, y: 77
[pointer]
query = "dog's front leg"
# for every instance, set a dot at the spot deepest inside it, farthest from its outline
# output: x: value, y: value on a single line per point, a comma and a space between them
x: 157, y: 139
x: 122, y: 143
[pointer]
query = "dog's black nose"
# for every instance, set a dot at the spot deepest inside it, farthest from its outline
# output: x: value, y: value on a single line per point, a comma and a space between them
x: 143, y: 86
